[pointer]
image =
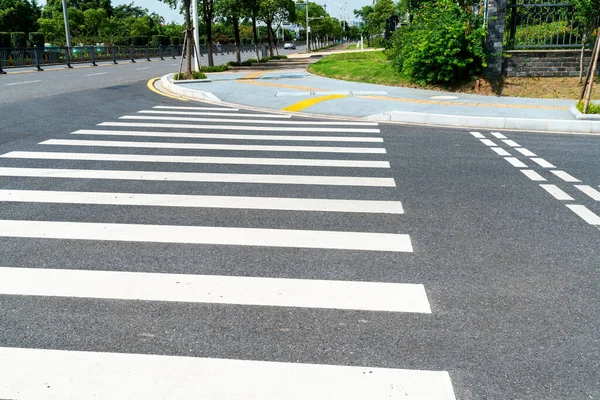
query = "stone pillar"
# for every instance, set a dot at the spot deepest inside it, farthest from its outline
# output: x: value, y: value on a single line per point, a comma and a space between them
x: 495, y: 37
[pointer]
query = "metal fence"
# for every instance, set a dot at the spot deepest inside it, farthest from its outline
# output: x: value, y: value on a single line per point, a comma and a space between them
x: 541, y: 24
x: 39, y: 57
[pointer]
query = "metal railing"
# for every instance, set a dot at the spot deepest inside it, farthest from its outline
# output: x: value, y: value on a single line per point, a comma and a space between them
x: 39, y: 57
x: 542, y: 24
x: 53, y: 55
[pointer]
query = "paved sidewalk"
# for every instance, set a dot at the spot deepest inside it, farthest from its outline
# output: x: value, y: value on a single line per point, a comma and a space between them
x: 287, y: 86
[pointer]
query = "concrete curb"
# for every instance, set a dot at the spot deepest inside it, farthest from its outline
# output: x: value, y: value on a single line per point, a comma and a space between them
x: 415, y: 118
x: 580, y: 116
x: 167, y: 83
x: 462, y: 121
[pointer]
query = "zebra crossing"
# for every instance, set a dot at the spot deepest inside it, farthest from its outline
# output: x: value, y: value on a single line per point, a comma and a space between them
x: 221, y: 151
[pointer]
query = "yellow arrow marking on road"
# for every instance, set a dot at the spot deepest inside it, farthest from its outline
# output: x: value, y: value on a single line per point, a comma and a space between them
x: 301, y: 105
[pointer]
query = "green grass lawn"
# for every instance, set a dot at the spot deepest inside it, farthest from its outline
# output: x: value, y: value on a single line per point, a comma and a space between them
x: 370, y: 67
x: 357, y: 46
x: 374, y: 67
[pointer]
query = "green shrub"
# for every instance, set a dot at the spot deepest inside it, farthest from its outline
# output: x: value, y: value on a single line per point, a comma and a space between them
x: 593, y: 107
x: 444, y: 44
x: 264, y: 59
x: 36, y: 39
x: 160, y: 40
x: 233, y: 64
x: 175, y: 41
x: 18, y: 39
x: 195, y: 75
x: 216, y: 68
x: 252, y: 60
x: 5, y: 40
x: 139, y: 40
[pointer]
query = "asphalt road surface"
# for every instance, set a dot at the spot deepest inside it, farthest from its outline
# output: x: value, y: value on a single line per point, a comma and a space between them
x: 26, y: 83
x: 236, y: 254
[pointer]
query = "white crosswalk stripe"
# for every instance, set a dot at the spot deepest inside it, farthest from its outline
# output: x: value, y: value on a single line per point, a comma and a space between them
x: 225, y: 136
x: 61, y: 374
x: 239, y: 127
x: 212, y: 146
x: 174, y: 200
x: 215, y: 114
x: 247, y: 121
x: 198, y: 177
x: 28, y: 373
x: 195, y: 160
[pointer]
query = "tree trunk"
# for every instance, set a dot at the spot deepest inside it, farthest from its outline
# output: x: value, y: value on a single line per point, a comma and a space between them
x: 209, y: 43
x: 188, y: 36
x: 255, y: 33
x: 270, y: 37
x: 207, y: 7
x: 581, y: 59
x: 236, y: 35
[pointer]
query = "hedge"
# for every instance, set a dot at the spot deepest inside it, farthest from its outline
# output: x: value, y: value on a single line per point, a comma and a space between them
x: 175, y: 41
x: 5, y: 40
x: 36, y: 39
x: 139, y: 40
x: 18, y: 39
x: 160, y: 40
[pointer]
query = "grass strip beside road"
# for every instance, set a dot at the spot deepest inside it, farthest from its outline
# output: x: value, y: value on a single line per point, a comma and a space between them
x: 374, y: 67
x: 369, y: 67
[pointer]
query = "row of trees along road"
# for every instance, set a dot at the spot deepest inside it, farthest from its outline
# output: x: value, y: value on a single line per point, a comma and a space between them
x: 225, y: 21
x: 273, y: 13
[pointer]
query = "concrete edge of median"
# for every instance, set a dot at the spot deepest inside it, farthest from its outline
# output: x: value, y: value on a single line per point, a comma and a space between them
x: 415, y: 118
x: 506, y: 123
x: 168, y: 84
x: 581, y: 116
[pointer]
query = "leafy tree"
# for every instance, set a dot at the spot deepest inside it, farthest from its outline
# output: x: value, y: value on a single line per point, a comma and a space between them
x: 129, y: 10
x: 252, y: 9
x: 276, y: 11
x: 230, y: 12
x: 208, y: 11
x: 587, y: 15
x: 18, y: 16
x: 368, y: 24
x: 444, y: 44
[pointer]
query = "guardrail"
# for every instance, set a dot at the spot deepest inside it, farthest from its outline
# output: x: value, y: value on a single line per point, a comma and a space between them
x: 38, y: 57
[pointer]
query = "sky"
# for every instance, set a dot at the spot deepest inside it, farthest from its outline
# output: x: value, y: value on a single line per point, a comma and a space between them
x: 341, y: 9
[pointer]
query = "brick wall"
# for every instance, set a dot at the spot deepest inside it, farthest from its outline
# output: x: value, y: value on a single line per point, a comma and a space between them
x: 544, y: 63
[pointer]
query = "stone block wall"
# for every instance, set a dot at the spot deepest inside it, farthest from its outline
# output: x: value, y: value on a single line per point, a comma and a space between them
x: 544, y: 63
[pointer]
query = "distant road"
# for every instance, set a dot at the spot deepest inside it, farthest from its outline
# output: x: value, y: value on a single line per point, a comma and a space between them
x: 25, y: 83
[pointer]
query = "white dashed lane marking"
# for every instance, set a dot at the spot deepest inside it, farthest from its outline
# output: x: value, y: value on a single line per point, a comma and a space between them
x: 525, y: 152
x: 555, y: 191
x: 590, y: 191
x: 565, y: 177
x: 500, y: 151
x: 542, y: 163
x: 515, y: 162
x: 585, y: 213
x: 488, y: 142
x: 511, y: 143
x: 534, y: 176
x: 498, y: 135
x: 478, y: 135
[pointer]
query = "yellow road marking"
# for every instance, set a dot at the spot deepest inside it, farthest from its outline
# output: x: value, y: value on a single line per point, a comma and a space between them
x: 301, y: 105
x: 253, y: 75
x: 463, y: 104
x: 155, y: 90
x: 250, y: 79
x: 280, y: 85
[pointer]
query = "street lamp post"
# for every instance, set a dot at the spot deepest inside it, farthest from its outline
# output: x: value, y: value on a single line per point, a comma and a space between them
x: 67, y: 29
